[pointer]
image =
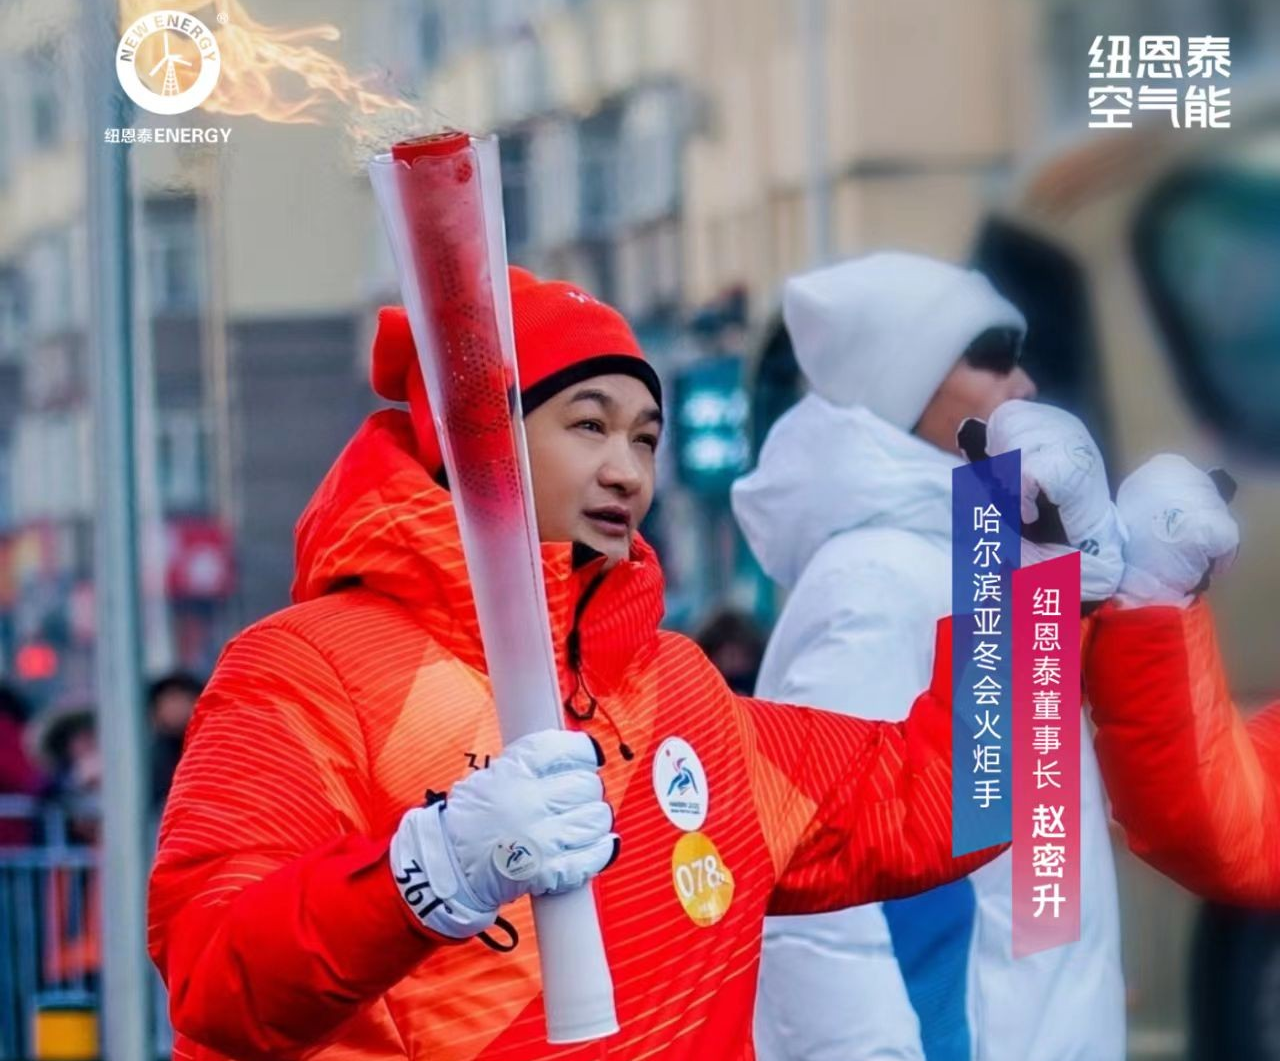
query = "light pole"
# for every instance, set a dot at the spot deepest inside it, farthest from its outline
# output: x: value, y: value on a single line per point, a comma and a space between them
x: 118, y: 662
x: 813, y: 56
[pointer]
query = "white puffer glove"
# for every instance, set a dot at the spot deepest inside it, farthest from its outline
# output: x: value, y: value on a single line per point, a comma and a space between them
x: 533, y: 822
x: 1180, y: 531
x: 1061, y: 461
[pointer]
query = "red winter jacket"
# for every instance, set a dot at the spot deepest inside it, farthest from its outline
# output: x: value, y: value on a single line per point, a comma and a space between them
x: 1195, y: 787
x: 273, y: 915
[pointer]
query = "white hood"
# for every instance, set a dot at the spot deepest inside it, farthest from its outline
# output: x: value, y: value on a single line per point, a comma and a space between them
x: 883, y: 331
x: 825, y: 469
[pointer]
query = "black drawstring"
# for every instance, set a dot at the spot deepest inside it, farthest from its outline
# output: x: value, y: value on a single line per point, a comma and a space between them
x: 573, y: 654
x: 493, y: 944
x: 624, y: 749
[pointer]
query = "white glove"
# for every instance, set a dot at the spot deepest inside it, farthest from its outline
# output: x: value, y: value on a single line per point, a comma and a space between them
x: 533, y: 822
x: 1062, y: 464
x: 1180, y: 530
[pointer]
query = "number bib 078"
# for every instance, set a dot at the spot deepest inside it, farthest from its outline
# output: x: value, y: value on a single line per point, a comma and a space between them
x: 703, y: 883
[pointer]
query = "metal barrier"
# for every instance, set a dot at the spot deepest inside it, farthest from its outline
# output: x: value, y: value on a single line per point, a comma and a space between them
x: 50, y: 937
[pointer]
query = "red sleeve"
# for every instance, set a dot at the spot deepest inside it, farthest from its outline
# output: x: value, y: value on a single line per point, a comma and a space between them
x: 1195, y: 788
x: 273, y: 917
x: 858, y: 811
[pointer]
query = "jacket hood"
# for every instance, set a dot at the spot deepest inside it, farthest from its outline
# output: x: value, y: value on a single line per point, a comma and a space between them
x: 380, y: 521
x: 825, y: 469
x: 883, y: 331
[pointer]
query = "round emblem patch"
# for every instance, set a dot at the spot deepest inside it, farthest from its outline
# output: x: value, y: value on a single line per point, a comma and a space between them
x: 516, y: 859
x: 680, y: 784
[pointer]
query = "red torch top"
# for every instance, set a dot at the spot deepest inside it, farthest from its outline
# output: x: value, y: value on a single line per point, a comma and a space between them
x: 436, y: 145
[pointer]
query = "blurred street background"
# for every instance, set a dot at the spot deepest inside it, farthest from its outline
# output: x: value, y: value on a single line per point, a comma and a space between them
x: 679, y: 158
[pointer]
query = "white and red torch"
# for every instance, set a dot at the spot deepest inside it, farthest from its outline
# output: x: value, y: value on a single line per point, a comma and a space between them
x: 441, y: 200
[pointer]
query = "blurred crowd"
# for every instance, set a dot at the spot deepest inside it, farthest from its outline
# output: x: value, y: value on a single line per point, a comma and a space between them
x: 53, y: 758
x: 50, y: 784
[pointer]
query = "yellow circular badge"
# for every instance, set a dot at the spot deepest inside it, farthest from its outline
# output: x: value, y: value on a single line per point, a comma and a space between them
x: 703, y: 882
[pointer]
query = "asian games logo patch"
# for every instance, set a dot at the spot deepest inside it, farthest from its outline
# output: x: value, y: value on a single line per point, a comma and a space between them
x: 516, y: 859
x: 684, y: 781
x: 680, y: 784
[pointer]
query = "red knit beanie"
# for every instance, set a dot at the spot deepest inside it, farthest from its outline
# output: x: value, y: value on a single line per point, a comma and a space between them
x: 563, y: 335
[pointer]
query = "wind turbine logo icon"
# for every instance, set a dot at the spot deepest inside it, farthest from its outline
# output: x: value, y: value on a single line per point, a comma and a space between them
x: 187, y: 42
x: 171, y: 63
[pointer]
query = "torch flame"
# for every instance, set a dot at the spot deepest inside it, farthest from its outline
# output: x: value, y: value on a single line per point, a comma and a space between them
x: 272, y: 73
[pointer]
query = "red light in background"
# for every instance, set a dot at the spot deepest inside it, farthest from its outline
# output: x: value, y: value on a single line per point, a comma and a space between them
x: 36, y: 662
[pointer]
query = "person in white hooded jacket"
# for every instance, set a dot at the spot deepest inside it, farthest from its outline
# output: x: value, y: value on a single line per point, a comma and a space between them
x: 849, y: 509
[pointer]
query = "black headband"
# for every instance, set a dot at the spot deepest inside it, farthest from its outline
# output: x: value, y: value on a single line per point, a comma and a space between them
x: 603, y: 365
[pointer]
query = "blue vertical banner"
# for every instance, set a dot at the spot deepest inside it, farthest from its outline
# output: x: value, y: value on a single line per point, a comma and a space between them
x: 986, y: 526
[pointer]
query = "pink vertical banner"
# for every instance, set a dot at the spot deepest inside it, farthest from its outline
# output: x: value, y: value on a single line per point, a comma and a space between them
x: 1046, y: 755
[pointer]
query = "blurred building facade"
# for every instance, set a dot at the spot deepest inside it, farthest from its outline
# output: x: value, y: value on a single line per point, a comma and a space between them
x: 251, y: 298
x: 845, y: 103
x: 45, y: 485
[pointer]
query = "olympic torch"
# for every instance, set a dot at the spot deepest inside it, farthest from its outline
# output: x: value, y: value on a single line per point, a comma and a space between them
x: 441, y: 200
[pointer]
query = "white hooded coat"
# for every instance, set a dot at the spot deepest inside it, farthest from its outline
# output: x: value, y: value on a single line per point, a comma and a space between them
x: 852, y: 515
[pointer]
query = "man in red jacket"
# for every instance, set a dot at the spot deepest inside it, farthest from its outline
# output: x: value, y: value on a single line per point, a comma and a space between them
x: 1196, y: 788
x: 305, y: 901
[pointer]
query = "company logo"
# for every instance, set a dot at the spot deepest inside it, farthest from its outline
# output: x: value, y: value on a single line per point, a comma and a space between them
x: 168, y: 62
x: 1160, y: 73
